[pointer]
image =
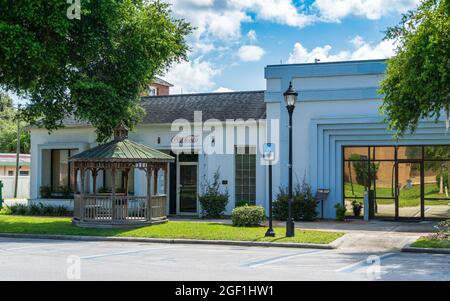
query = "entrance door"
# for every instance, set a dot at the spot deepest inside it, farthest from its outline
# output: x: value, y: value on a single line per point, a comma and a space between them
x: 409, y: 190
x: 187, y: 188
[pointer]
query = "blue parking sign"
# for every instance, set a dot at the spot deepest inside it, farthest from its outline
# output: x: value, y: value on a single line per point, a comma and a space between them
x: 269, y: 151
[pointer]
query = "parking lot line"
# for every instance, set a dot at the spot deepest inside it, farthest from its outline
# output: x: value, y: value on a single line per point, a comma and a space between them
x: 360, y: 264
x: 280, y: 258
x: 126, y: 252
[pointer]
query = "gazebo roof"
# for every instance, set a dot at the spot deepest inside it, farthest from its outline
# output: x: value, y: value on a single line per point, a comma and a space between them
x: 121, y: 149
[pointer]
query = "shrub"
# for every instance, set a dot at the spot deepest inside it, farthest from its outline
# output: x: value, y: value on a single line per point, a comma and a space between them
x: 62, y: 211
x: 340, y: 211
x: 6, y: 210
x: 47, y: 210
x: 45, y: 192
x: 303, y: 204
x: 241, y: 203
x: 19, y: 209
x: 248, y: 216
x: 38, y: 210
x: 213, y: 206
x: 34, y: 209
x: 212, y: 200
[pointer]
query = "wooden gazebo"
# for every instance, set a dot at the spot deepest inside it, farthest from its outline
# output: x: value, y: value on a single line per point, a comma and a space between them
x: 118, y: 208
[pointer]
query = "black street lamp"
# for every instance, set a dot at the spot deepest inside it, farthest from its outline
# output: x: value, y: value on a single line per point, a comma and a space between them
x: 290, y: 97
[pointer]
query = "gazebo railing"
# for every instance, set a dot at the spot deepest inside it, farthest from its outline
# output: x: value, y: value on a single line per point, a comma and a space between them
x: 124, y: 210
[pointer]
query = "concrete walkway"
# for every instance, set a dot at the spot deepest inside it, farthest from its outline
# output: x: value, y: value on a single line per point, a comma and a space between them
x: 360, y: 235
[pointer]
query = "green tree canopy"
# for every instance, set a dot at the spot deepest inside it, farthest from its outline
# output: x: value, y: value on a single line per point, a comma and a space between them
x: 8, y: 128
x: 417, y: 84
x: 92, y: 68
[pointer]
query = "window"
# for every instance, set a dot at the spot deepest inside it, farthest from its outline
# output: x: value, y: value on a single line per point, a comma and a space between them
x: 61, y: 173
x: 120, y: 181
x: 152, y: 91
x: 245, y: 174
x: 24, y: 173
x: 10, y: 173
x: 402, y: 181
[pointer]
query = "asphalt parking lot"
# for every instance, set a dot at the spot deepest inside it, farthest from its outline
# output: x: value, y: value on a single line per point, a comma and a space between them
x: 39, y: 259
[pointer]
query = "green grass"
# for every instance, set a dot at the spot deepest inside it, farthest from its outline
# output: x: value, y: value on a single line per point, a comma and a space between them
x: 171, y: 229
x: 425, y: 242
x: 408, y: 197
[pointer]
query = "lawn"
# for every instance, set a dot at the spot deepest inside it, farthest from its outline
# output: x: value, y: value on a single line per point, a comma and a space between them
x: 425, y: 242
x: 407, y: 198
x: 171, y: 229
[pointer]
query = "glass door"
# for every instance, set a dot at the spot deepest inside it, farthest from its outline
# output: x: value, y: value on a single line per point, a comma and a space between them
x: 409, y: 190
x: 187, y: 188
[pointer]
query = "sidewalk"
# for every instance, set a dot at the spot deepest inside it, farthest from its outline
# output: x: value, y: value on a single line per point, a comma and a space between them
x: 372, y: 235
x: 360, y: 235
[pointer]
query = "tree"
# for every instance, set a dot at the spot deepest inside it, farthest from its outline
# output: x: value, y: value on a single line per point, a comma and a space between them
x: 8, y: 128
x: 91, y: 68
x: 417, y: 84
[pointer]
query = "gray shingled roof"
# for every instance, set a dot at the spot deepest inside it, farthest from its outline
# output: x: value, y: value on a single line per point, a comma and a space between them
x: 222, y: 106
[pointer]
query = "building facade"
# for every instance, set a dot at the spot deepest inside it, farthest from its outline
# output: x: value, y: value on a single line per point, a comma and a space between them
x: 189, y: 127
x: 340, y: 144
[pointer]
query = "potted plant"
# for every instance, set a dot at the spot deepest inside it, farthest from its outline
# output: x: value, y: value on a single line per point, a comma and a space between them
x: 357, y: 208
x: 45, y: 192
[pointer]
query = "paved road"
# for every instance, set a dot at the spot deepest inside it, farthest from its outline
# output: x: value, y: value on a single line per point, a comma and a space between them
x: 31, y: 259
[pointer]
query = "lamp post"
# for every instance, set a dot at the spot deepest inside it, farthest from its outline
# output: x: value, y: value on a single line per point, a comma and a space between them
x: 290, y: 97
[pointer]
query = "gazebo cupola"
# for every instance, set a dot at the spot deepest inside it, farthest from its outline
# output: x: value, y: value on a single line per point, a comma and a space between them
x: 118, y: 208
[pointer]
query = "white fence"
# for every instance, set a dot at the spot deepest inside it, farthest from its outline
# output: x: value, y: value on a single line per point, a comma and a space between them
x: 23, y: 189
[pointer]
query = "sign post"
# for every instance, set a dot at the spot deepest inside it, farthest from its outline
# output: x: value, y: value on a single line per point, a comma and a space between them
x: 269, y: 156
x: 1, y: 195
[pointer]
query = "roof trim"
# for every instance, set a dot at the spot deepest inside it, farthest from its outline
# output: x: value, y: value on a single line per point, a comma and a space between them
x: 201, y: 94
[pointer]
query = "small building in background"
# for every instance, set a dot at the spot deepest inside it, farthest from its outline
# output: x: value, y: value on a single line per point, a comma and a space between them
x: 8, y: 164
x: 8, y: 175
x: 158, y: 87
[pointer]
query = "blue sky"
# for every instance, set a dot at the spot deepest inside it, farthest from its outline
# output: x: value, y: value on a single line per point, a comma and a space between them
x: 236, y: 39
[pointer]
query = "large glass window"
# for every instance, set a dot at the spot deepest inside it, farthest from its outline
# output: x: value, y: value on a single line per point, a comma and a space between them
x: 403, y: 181
x: 245, y: 174
x: 61, y: 173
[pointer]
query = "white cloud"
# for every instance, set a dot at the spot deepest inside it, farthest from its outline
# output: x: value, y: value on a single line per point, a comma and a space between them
x: 251, y: 53
x: 361, y: 51
x: 251, y: 35
x: 203, y: 48
x: 192, y: 76
x: 335, y: 10
x: 222, y: 90
x: 277, y: 11
x: 222, y: 19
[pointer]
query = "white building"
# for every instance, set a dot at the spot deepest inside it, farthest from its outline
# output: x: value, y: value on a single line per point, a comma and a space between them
x: 340, y: 143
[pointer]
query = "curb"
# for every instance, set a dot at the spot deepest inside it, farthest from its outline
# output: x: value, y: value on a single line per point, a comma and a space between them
x: 425, y: 250
x: 172, y: 241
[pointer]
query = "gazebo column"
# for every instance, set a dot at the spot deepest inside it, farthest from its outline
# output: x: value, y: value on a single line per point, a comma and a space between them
x: 148, y: 171
x: 125, y: 200
x: 94, y: 172
x: 82, y: 200
x: 155, y: 180
x: 113, y: 194
x: 166, y: 186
